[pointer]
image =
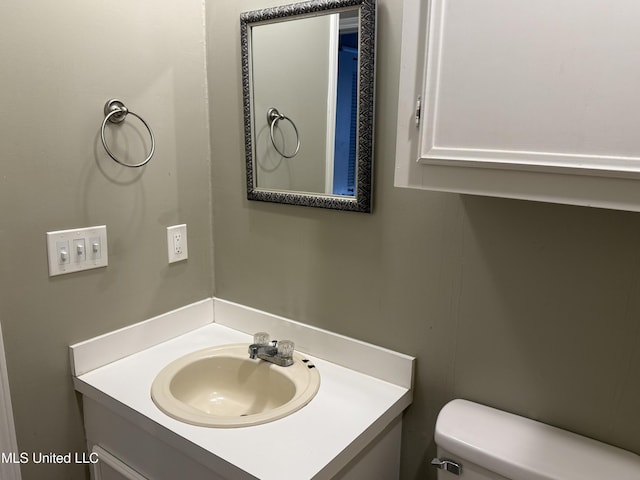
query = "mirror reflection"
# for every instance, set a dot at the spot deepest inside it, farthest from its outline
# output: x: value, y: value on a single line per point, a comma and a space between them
x: 307, y: 83
x: 307, y: 70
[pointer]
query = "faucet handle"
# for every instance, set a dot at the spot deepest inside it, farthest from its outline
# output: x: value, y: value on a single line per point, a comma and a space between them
x: 285, y: 348
x: 261, y: 338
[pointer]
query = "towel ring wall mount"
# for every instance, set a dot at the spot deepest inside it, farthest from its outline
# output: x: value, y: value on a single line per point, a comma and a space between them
x: 115, y: 112
x: 273, y: 117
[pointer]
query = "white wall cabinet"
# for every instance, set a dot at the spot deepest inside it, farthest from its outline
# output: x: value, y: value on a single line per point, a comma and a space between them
x: 532, y: 100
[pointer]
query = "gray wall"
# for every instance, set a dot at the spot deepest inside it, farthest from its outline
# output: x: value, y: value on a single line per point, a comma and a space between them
x: 60, y: 62
x: 532, y: 308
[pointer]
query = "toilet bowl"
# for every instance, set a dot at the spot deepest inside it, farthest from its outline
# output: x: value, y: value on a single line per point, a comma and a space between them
x: 476, y: 442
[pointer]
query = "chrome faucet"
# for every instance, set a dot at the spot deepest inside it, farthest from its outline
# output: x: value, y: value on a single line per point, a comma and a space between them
x: 280, y: 353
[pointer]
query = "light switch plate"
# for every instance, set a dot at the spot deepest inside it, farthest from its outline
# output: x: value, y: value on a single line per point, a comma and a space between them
x: 77, y: 249
x: 177, y: 248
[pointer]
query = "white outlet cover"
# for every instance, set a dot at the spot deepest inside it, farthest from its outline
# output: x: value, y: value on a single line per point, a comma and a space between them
x: 177, y: 247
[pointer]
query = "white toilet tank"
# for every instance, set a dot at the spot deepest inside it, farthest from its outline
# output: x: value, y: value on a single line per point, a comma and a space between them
x: 488, y: 444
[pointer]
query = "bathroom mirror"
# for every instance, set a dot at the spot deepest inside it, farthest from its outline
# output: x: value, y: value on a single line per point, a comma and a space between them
x: 308, y: 86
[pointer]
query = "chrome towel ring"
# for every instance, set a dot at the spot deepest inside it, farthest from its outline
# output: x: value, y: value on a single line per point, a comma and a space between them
x: 273, y: 117
x: 115, y: 112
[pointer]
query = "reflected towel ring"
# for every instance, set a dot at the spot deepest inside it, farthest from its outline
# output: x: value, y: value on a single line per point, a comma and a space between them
x: 273, y: 116
x: 116, y: 112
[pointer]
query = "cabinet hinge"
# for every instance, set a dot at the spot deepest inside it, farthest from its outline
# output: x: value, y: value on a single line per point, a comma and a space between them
x: 418, y: 111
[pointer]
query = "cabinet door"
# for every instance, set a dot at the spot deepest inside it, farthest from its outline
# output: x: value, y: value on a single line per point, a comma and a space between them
x: 534, y: 100
x: 109, y: 467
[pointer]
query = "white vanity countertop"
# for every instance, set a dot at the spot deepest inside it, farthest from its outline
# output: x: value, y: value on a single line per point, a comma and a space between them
x: 349, y: 410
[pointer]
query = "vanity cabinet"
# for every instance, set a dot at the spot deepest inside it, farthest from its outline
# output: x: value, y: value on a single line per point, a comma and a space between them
x: 350, y: 430
x: 110, y: 467
x: 530, y: 100
x: 133, y: 453
x: 127, y: 451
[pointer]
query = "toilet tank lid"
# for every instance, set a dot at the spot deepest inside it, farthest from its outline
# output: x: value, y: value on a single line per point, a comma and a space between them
x: 523, y: 449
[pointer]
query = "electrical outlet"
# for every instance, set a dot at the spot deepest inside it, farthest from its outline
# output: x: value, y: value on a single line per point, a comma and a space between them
x: 177, y: 243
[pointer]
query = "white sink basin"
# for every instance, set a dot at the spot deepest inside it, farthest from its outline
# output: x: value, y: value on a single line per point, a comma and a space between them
x: 223, y: 387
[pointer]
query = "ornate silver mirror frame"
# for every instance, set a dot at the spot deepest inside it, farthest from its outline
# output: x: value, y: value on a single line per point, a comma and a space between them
x: 361, y: 200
